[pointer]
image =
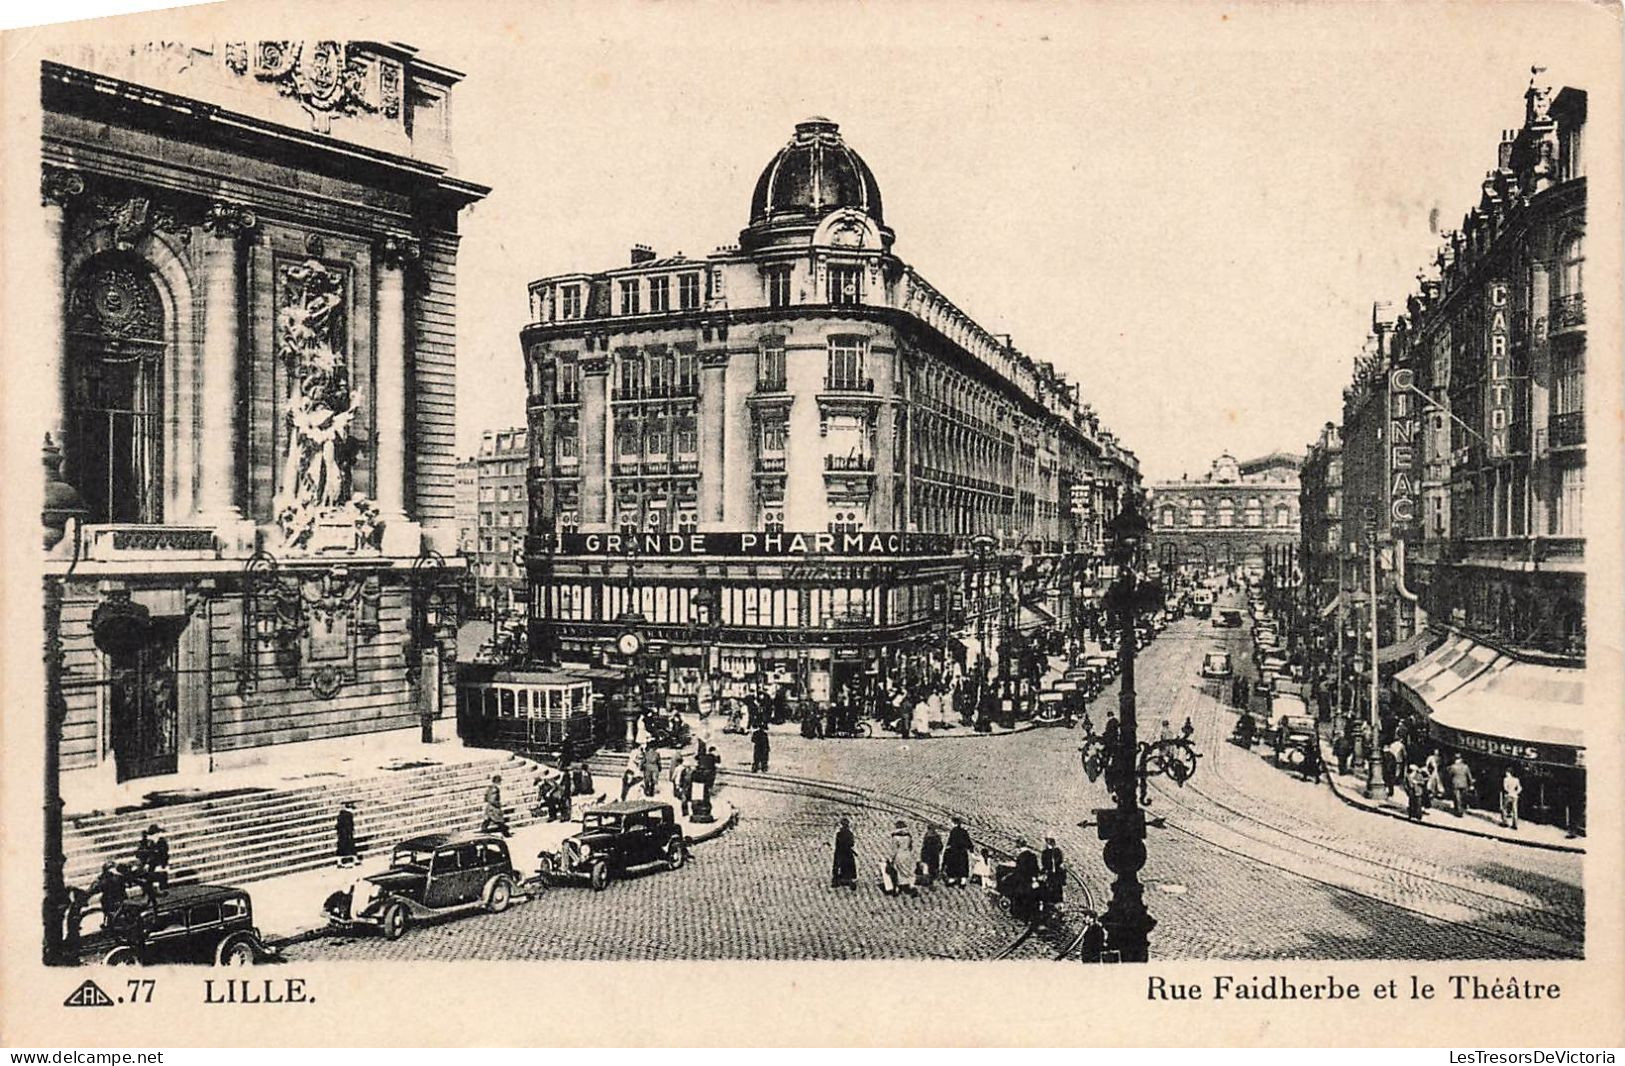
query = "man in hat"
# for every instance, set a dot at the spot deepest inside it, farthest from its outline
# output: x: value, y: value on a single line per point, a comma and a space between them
x: 844, y: 871
x: 152, y: 861
x: 760, y: 749
x: 494, y: 820
x: 930, y: 855
x: 344, y: 829
x: 111, y: 887
x: 1053, y: 866
x: 1024, y: 881
x: 957, y: 859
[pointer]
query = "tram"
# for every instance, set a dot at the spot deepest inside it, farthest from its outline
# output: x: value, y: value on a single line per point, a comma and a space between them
x: 534, y: 712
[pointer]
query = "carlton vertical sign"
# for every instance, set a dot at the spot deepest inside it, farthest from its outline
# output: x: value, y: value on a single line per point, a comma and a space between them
x: 1498, y: 370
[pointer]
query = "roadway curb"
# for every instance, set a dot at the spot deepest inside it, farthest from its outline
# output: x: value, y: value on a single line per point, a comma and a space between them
x: 1331, y: 782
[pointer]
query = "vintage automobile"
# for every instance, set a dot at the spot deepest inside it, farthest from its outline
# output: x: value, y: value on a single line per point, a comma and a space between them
x: 207, y: 924
x: 1227, y: 618
x: 1292, y: 731
x: 1216, y: 664
x: 617, y: 839
x: 430, y: 876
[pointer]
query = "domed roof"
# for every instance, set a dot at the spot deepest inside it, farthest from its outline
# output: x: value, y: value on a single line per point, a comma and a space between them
x: 814, y: 174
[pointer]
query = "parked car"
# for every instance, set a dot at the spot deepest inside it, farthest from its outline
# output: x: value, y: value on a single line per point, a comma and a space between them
x: 199, y: 924
x: 429, y: 877
x: 1216, y: 664
x: 616, y: 839
x: 1292, y: 731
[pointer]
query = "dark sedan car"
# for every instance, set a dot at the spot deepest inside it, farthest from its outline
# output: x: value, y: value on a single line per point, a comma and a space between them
x: 615, y: 839
x: 429, y: 876
x: 199, y: 924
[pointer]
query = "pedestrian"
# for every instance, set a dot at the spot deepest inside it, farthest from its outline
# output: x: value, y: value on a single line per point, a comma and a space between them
x: 683, y: 786
x: 344, y: 829
x: 1511, y: 789
x: 1023, y: 882
x: 1093, y: 945
x: 633, y: 769
x: 930, y: 855
x: 845, y: 869
x: 956, y: 859
x: 900, y: 865
x: 760, y: 749
x: 1342, y: 748
x: 1311, y: 759
x: 1416, y: 789
x: 1435, y: 775
x: 1459, y: 776
x: 152, y: 861
x: 651, y: 769
x: 921, y: 723
x: 494, y: 820
x: 1396, y: 755
x: 1052, y: 865
x: 112, y: 888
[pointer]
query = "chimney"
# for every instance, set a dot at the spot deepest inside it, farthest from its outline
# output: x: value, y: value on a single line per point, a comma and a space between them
x: 642, y: 253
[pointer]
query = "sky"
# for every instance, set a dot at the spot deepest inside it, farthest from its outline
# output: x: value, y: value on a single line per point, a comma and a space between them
x: 1189, y: 210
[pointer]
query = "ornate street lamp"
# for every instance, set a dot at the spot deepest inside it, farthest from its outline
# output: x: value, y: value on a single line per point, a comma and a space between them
x: 1127, y: 763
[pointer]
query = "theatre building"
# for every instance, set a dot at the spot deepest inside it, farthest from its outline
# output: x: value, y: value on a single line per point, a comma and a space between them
x: 817, y: 460
x: 249, y: 458
x: 1239, y: 514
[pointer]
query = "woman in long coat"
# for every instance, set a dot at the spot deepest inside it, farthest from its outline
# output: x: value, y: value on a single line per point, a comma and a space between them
x: 845, y: 870
x: 905, y: 859
x: 930, y: 855
x: 956, y: 860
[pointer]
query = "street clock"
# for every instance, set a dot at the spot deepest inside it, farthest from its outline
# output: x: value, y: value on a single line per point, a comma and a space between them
x: 629, y: 643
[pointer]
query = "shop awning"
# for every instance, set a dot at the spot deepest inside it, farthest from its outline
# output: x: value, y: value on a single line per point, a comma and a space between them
x: 1451, y: 665
x: 1400, y: 649
x: 1030, y: 616
x: 1517, y: 710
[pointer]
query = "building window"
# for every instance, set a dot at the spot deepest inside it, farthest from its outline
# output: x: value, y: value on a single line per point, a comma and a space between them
x: 116, y: 334
x: 570, y: 301
x: 1227, y: 514
x: 629, y: 297
x: 773, y: 436
x: 846, y: 521
x: 1568, y: 516
x: 659, y: 375
x: 846, y: 365
x: 628, y: 441
x: 1198, y: 514
x: 770, y: 367
x: 1570, y: 158
x: 688, y: 374
x: 778, y: 287
x: 1283, y: 516
x: 568, y: 385
x: 1255, y: 512
x: 687, y: 437
x: 655, y: 442
x: 688, y: 291
x: 1572, y: 260
x: 660, y: 294
x: 1569, y: 382
x: 845, y: 284
x: 1167, y: 516
x: 631, y: 378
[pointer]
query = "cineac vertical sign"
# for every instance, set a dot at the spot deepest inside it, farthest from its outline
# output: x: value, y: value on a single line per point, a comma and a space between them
x: 1404, y: 423
x: 1497, y: 369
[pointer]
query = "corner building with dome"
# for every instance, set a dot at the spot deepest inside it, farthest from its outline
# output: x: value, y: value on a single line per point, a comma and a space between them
x: 794, y: 459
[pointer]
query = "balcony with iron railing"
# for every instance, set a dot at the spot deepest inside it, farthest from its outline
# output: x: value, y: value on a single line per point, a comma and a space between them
x: 858, y: 464
x: 1568, y: 429
x: 770, y: 464
x: 1568, y: 312
x: 846, y: 384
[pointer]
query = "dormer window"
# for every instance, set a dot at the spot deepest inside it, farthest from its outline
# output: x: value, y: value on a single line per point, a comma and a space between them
x: 688, y: 291
x: 659, y: 295
x: 845, y: 284
x: 629, y: 297
x: 570, y: 301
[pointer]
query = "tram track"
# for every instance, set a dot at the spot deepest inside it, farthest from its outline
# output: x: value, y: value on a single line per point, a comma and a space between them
x: 998, y: 841
x: 1498, y: 916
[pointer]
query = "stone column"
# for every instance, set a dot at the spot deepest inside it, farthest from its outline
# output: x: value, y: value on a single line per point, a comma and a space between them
x: 58, y: 186
x: 713, y: 435
x: 220, y: 422
x: 594, y: 461
x: 389, y: 434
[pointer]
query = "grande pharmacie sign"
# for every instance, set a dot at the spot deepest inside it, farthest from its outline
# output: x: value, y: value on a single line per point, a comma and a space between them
x: 755, y: 545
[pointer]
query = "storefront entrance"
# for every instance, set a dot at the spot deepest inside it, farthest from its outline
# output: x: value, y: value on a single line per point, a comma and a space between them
x: 143, y: 705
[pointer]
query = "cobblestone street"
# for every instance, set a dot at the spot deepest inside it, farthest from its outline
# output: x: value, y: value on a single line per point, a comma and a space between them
x: 1254, y: 862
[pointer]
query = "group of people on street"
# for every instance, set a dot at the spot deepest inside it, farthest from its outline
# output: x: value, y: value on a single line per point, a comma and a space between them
x: 114, y: 886
x: 1434, y: 781
x: 906, y: 866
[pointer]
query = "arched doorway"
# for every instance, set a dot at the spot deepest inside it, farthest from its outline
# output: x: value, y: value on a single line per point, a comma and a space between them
x: 115, y: 367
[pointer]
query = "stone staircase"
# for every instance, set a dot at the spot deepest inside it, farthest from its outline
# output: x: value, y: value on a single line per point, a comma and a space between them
x: 251, y: 834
